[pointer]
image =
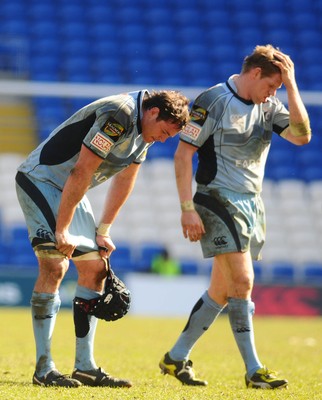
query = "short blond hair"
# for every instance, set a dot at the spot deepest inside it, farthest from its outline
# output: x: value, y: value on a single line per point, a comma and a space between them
x: 262, y: 57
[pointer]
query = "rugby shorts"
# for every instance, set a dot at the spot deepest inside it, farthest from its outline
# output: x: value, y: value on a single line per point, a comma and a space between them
x: 234, y: 222
x: 40, y: 202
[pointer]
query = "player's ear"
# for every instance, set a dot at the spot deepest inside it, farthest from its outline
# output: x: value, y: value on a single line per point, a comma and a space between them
x: 155, y: 111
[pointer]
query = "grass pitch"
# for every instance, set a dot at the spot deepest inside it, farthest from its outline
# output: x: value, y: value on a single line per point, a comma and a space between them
x: 132, y: 347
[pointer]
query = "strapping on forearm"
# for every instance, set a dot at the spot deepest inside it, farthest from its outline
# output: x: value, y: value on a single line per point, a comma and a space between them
x: 104, y: 229
x: 187, y: 205
x: 300, y: 128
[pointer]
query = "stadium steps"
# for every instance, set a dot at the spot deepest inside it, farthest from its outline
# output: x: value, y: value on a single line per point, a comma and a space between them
x: 18, y: 133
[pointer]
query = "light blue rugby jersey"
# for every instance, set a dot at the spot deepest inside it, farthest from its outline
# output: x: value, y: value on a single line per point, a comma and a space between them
x: 110, y: 127
x: 233, y: 137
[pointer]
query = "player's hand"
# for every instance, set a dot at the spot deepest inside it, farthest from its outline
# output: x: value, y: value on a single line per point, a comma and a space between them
x: 286, y: 65
x: 192, y: 226
x: 105, y: 245
x: 65, y: 243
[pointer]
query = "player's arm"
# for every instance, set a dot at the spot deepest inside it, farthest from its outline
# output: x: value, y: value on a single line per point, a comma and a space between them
x: 75, y: 187
x: 121, y: 187
x: 192, y: 225
x: 298, y: 132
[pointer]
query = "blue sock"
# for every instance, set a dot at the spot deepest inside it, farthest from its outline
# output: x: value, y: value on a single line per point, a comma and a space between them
x: 202, y: 316
x: 85, y: 328
x: 241, y: 321
x: 44, y: 309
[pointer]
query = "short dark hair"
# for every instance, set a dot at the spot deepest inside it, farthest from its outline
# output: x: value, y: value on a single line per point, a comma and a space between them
x: 173, y: 106
x: 262, y: 57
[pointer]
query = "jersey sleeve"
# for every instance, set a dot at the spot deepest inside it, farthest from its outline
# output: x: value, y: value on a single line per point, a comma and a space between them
x: 111, y: 124
x: 201, y: 123
x: 281, y: 117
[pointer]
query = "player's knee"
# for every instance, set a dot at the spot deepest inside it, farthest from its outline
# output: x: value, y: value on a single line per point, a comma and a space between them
x: 91, y: 272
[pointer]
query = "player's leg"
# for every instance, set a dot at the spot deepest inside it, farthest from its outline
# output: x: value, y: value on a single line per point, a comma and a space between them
x: 238, y: 271
x: 176, y: 362
x: 45, y: 304
x: 39, y: 203
x: 91, y: 275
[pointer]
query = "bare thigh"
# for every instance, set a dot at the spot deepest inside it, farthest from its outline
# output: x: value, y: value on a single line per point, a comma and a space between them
x: 232, y: 276
x: 91, y: 274
x: 51, y: 273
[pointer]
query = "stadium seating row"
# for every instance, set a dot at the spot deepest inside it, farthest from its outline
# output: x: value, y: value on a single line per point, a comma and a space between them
x: 151, y: 219
x: 177, y: 43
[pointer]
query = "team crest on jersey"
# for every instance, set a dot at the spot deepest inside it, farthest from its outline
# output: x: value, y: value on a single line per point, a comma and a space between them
x: 238, y: 121
x: 198, y: 115
x: 113, y: 129
x: 102, y: 143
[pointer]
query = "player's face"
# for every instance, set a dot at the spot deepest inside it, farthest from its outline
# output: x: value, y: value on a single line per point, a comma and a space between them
x: 157, y: 131
x: 265, y: 87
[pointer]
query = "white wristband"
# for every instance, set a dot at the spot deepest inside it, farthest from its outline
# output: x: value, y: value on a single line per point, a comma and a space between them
x: 104, y: 229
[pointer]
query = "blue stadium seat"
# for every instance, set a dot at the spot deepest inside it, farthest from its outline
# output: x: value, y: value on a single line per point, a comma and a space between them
x: 188, y: 267
x: 106, y: 66
x: 20, y: 250
x: 211, y: 18
x: 280, y: 156
x: 189, y: 34
x: 15, y: 28
x: 42, y: 11
x: 45, y: 45
x: 308, y: 37
x: 43, y: 29
x: 310, y: 157
x: 76, y: 64
x: 278, y: 173
x: 13, y: 10
x: 312, y: 77
x: 45, y: 62
x: 78, y: 77
x: 161, y: 150
x: 186, y: 16
x: 106, y: 49
x: 279, y: 37
x: 283, y: 273
x: 138, y: 70
x: 223, y: 53
x: 223, y: 70
x: 158, y: 15
x: 199, y: 73
x: 273, y: 19
x: 169, y: 71
x: 122, y: 260
x: 194, y: 52
x: 310, y: 174
x: 76, y: 47
x: 73, y: 30
x: 246, y: 18
x: 147, y: 252
x: 4, y: 255
x: 258, y: 272
x: 241, y: 6
x: 164, y: 51
x: 248, y: 37
x: 71, y: 12
x: 132, y: 32
x: 127, y: 15
x: 313, y: 274
x: 133, y: 49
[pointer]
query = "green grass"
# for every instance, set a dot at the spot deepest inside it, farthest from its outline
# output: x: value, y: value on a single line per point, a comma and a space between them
x: 131, y: 348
